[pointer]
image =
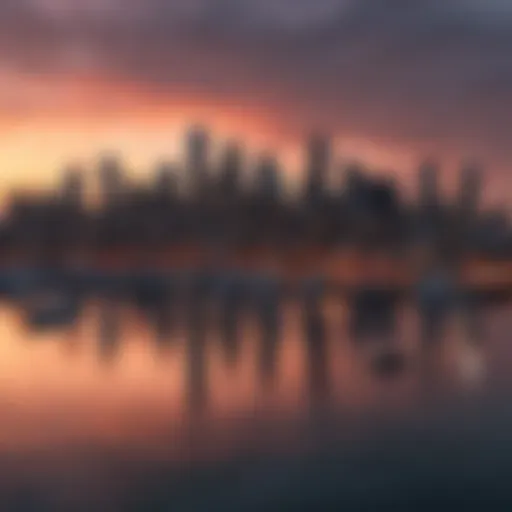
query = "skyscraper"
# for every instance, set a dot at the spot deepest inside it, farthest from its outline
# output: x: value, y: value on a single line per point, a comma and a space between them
x: 111, y: 180
x: 468, y: 202
x: 429, y: 185
x: 230, y: 169
x: 317, y: 166
x: 355, y: 188
x: 197, y: 155
x: 268, y: 178
x: 165, y: 181
x: 470, y: 185
x: 72, y: 188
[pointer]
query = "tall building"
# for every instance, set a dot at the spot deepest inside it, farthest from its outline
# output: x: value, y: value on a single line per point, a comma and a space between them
x: 468, y: 204
x: 317, y: 165
x: 72, y: 188
x: 165, y: 181
x: 268, y: 178
x: 111, y: 180
x: 383, y: 198
x: 197, y: 157
x: 470, y: 186
x: 230, y: 169
x: 429, y: 185
x: 355, y: 188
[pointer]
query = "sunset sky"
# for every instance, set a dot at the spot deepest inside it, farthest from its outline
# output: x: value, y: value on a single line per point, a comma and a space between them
x: 391, y: 80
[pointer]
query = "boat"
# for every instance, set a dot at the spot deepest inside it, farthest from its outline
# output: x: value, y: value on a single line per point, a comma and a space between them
x: 51, y: 310
x: 436, y: 291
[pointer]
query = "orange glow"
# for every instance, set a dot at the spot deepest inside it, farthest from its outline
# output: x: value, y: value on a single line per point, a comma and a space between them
x: 49, y: 122
x: 75, y: 119
x: 78, y: 119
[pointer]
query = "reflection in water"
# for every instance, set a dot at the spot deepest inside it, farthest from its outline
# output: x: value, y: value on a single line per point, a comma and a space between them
x: 268, y: 311
x: 452, y: 334
x: 373, y: 328
x: 389, y: 363
x: 231, y: 310
x: 162, y: 319
x: 473, y: 320
x: 222, y: 362
x: 373, y: 315
x: 207, y: 400
x: 196, y: 369
x: 52, y: 310
x: 109, y: 329
x: 217, y: 395
x: 316, y: 348
x: 433, y: 324
x: 437, y: 299
x: 470, y: 359
x: 315, y: 337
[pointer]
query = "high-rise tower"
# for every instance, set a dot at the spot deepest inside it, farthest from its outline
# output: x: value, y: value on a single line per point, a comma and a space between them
x: 72, y: 188
x: 429, y: 185
x: 197, y: 155
x: 470, y: 186
x: 230, y: 169
x: 165, y: 181
x: 317, y: 166
x: 111, y: 180
x: 268, y: 178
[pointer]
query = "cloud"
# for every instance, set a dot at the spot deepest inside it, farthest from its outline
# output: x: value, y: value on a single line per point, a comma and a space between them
x: 425, y: 74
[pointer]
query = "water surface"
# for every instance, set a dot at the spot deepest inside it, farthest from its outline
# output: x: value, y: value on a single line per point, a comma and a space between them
x: 147, y: 410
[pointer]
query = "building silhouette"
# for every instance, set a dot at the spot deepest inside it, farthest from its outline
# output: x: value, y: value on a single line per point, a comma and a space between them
x: 428, y: 225
x: 197, y: 158
x: 317, y: 166
x: 72, y: 187
x: 219, y: 213
x: 470, y: 186
x: 428, y: 193
x: 112, y: 182
x: 268, y: 181
x: 230, y: 169
x: 356, y: 191
x: 165, y: 183
x: 492, y: 232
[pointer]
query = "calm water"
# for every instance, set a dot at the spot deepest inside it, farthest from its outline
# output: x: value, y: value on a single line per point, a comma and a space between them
x: 135, y: 410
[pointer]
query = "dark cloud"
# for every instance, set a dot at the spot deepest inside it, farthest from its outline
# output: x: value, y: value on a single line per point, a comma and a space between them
x: 422, y: 73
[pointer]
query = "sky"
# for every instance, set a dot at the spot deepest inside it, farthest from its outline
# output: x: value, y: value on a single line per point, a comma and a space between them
x: 392, y: 81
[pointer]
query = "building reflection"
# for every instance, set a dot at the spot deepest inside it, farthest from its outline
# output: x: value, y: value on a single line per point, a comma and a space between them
x: 373, y: 327
x: 470, y: 355
x: 195, y: 351
x: 196, y: 369
x: 109, y: 329
x: 373, y: 330
x: 389, y: 362
x: 230, y: 335
x: 315, y: 337
x: 163, y: 320
x: 473, y: 320
x: 231, y: 312
x: 268, y: 313
x: 372, y: 314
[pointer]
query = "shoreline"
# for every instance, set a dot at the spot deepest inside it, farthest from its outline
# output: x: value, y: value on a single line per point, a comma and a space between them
x: 338, y: 268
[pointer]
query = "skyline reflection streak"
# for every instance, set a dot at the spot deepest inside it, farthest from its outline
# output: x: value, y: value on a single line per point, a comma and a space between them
x: 41, y: 359
x: 117, y: 392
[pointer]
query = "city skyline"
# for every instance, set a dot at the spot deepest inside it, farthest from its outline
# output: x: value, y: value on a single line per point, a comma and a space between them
x: 140, y: 152
x: 255, y: 255
x: 79, y: 80
x: 318, y: 151
x: 206, y: 203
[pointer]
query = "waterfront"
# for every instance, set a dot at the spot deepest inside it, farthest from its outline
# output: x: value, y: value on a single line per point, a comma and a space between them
x: 117, y: 407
